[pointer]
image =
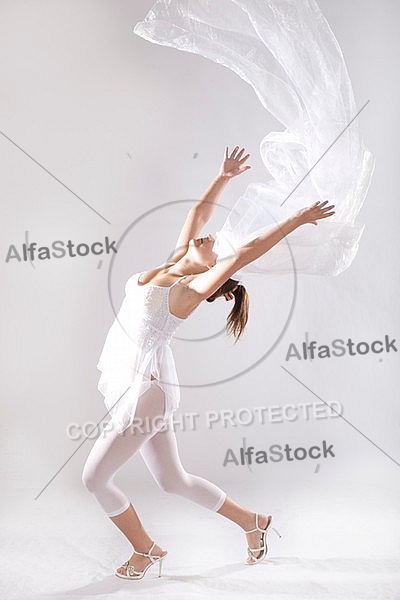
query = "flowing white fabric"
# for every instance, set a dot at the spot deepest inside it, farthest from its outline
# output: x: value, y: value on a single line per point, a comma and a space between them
x: 287, y: 52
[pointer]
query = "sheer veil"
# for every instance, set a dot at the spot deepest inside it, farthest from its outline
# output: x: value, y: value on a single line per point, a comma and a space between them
x: 287, y: 52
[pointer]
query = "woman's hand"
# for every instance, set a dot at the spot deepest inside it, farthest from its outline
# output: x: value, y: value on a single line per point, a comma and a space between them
x: 232, y: 165
x: 316, y: 211
x: 230, y: 295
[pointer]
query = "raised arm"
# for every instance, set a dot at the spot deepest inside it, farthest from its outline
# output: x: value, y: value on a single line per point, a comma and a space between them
x: 260, y: 245
x: 200, y: 213
x: 207, y: 283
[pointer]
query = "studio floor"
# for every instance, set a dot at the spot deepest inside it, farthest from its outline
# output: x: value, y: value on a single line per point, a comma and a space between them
x: 62, y: 547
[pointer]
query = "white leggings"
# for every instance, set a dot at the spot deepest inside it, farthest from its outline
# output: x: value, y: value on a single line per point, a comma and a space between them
x: 160, y: 453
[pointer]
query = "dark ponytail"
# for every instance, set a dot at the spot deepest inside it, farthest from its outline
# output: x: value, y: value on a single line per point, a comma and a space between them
x: 238, y: 317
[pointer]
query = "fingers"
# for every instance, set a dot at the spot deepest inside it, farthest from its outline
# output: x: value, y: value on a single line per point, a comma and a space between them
x: 323, y: 214
x: 319, y: 202
x: 326, y: 208
x: 322, y: 204
x: 319, y: 210
x: 234, y: 154
x: 322, y: 207
x: 229, y: 295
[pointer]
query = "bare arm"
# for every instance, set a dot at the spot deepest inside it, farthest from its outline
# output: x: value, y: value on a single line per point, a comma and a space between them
x: 201, y: 212
x: 207, y: 283
x: 192, y: 226
x: 261, y: 244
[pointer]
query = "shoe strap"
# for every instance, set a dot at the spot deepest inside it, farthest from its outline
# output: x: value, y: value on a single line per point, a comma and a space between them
x: 148, y: 554
x: 255, y: 549
x: 257, y: 528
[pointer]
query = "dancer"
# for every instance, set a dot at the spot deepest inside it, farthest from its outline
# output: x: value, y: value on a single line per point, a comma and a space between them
x: 139, y: 379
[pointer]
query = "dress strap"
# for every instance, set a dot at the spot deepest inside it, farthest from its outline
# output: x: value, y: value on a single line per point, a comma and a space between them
x: 178, y: 280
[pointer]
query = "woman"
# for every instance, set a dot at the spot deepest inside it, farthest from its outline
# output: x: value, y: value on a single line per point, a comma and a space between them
x: 160, y: 299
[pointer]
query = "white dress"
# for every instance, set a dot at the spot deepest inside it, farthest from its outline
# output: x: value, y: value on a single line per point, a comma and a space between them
x: 138, y: 346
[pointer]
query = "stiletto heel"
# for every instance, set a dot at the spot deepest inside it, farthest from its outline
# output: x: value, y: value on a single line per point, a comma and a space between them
x: 131, y: 573
x: 276, y: 531
x: 159, y: 567
x: 263, y: 549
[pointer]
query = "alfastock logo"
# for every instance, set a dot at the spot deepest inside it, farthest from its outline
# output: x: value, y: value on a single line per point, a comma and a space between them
x: 58, y: 250
x: 339, y: 348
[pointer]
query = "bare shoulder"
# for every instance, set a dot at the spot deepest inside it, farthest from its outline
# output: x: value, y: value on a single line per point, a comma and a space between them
x: 157, y: 276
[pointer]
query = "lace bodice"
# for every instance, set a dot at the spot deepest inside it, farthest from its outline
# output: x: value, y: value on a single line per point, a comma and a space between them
x: 145, y: 313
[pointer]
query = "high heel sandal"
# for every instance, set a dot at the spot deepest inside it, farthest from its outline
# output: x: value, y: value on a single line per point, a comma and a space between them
x: 130, y: 569
x: 263, y: 548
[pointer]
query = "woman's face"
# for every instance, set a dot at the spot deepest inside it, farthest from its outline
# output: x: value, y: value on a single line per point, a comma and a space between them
x: 202, y: 248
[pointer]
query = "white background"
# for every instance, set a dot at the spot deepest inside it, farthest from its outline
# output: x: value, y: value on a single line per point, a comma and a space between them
x: 118, y: 120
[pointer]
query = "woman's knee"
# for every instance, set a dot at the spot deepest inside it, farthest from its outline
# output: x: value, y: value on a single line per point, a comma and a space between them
x: 176, y: 484
x: 89, y: 479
